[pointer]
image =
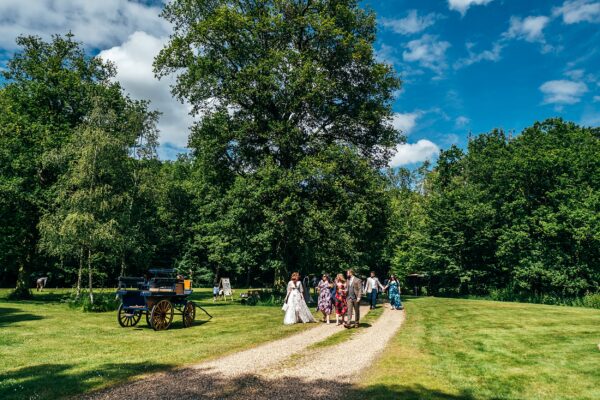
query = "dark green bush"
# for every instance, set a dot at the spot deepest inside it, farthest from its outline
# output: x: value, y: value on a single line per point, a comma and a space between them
x: 590, y: 300
x: 103, y: 301
x: 265, y: 298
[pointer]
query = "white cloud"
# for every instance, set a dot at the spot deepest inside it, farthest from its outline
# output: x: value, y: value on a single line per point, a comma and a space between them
x: 575, y: 74
x: 428, y: 51
x: 530, y: 29
x: 463, y: 5
x: 414, y: 152
x: 99, y: 24
x: 576, y: 11
x: 387, y: 54
x: 461, y: 121
x: 406, y: 122
x: 563, y: 91
x: 133, y: 60
x: 412, y: 23
x: 494, y: 54
x: 596, y: 99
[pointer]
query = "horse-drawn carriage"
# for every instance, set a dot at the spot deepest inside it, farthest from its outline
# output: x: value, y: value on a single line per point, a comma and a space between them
x: 159, y: 298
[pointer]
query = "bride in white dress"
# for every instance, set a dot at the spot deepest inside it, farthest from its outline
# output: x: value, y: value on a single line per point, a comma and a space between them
x: 295, y: 307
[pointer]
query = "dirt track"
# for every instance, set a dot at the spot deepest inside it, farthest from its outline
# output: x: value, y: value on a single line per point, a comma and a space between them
x: 282, y: 369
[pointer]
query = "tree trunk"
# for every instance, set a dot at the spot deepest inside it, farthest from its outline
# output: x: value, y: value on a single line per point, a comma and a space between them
x: 79, y: 274
x: 122, y: 265
x: 90, y: 276
x: 22, y: 290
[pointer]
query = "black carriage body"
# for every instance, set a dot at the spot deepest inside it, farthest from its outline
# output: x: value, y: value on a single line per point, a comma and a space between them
x: 159, y: 298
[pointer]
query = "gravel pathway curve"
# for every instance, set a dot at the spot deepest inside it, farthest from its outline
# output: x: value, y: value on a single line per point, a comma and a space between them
x: 282, y: 369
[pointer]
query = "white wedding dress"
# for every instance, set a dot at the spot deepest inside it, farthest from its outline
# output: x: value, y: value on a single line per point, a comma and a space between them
x: 295, y: 307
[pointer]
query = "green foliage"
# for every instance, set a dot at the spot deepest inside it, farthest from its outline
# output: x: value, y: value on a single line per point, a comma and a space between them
x: 49, y: 91
x: 283, y: 79
x: 265, y: 298
x: 103, y: 301
x: 296, y: 118
x: 517, y: 218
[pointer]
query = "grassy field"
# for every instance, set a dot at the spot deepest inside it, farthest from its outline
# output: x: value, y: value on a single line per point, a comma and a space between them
x: 48, y: 350
x: 447, y: 348
x: 471, y: 349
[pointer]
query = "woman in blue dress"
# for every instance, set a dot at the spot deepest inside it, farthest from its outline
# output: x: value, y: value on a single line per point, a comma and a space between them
x: 393, y: 288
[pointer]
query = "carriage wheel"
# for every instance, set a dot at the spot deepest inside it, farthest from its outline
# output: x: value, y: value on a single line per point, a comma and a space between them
x: 162, y: 315
x: 189, y: 314
x: 128, y: 318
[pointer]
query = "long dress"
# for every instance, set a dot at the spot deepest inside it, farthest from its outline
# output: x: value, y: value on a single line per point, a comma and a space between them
x: 295, y: 307
x: 341, y: 305
x: 325, y: 304
x: 394, y: 295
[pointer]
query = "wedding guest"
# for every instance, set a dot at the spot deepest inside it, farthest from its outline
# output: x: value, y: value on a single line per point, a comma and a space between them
x: 341, y: 305
x: 325, y: 304
x: 393, y: 288
x: 215, y: 290
x: 354, y: 294
x: 372, y: 287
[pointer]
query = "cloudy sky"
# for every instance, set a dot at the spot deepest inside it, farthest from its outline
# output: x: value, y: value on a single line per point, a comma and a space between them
x: 467, y: 65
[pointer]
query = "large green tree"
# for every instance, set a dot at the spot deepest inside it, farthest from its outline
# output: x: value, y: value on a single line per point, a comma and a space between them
x: 519, y: 215
x: 46, y: 95
x: 50, y: 90
x: 290, y: 95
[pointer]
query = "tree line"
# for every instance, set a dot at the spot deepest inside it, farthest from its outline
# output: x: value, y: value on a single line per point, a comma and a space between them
x: 515, y: 216
x: 286, y: 169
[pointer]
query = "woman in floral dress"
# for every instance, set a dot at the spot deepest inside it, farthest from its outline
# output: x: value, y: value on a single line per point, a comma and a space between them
x: 325, y: 304
x: 341, y: 306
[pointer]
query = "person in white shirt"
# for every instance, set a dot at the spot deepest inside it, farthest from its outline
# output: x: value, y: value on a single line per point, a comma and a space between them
x: 372, y: 287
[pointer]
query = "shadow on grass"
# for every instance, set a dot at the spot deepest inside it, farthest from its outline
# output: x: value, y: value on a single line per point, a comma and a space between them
x: 9, y: 316
x: 191, y: 383
x: 52, y: 381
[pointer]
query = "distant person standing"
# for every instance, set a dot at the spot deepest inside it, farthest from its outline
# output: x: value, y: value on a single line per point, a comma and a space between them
x: 353, y: 298
x: 215, y: 290
x: 393, y: 288
x: 372, y: 288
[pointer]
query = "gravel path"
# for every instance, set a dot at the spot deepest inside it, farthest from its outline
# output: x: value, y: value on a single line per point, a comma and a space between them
x: 282, y: 369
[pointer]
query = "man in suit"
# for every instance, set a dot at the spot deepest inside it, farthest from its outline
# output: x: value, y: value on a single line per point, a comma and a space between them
x: 353, y: 299
x: 372, y: 287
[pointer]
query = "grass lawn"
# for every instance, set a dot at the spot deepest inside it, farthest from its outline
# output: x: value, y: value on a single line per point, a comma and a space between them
x: 475, y: 349
x: 48, y: 350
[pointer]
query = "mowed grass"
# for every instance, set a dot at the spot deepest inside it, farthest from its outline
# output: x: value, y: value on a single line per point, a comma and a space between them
x: 49, y: 351
x: 475, y: 349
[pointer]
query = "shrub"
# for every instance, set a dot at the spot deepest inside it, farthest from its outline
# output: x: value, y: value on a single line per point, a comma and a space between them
x: 591, y: 300
x: 267, y: 298
x: 103, y: 301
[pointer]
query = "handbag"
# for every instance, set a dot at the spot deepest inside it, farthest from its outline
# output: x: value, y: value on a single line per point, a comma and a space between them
x: 285, y: 307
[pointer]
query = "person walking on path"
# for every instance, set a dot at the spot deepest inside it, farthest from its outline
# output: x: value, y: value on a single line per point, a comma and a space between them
x: 353, y: 298
x: 372, y: 288
x: 393, y: 288
x: 294, y: 305
x: 325, y: 305
x: 341, y: 304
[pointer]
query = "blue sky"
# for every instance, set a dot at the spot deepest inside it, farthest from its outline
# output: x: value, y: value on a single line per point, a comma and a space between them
x: 467, y: 65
